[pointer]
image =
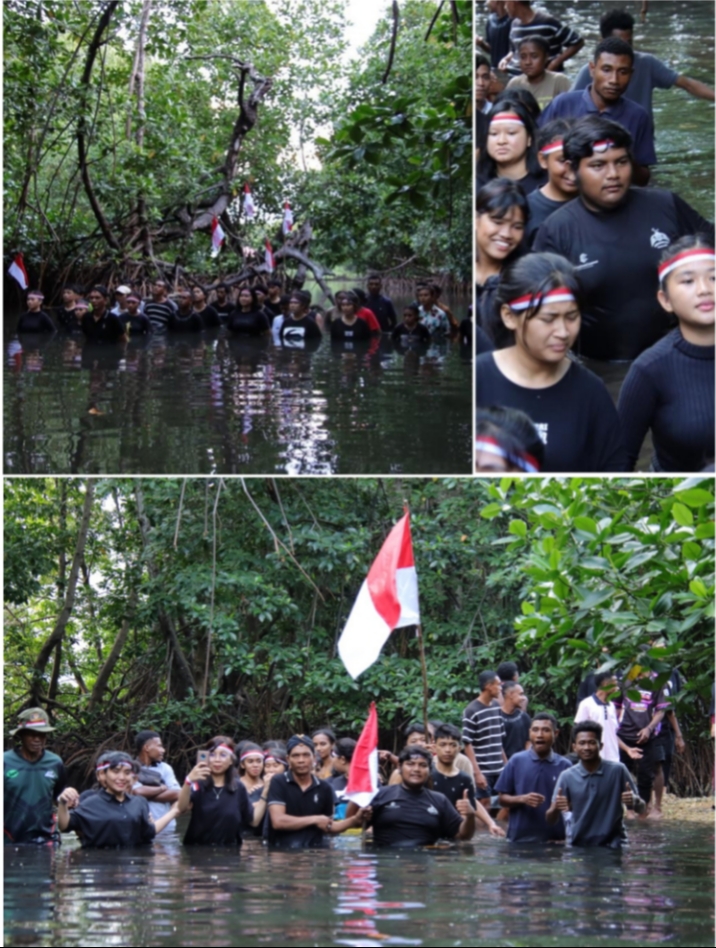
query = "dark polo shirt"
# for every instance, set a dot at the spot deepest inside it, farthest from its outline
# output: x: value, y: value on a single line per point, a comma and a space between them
x: 317, y: 799
x: 527, y: 772
x: 410, y: 818
x: 103, y: 822
x: 595, y: 799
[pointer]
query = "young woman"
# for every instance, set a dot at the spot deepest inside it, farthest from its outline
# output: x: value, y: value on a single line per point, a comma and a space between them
x: 538, y: 300
x: 510, y: 150
x: 506, y: 440
x: 208, y: 314
x: 248, y: 318
x: 561, y: 185
x: 533, y: 54
x: 501, y: 215
x: 274, y: 759
x: 251, y: 768
x: 219, y: 803
x: 670, y: 386
x: 111, y: 817
x: 411, y: 331
x: 349, y: 328
x: 324, y: 741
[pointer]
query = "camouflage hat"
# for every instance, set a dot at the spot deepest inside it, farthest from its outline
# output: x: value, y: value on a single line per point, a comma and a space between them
x: 33, y: 719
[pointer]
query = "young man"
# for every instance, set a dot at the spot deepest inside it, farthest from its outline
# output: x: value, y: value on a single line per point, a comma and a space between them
x: 381, y: 306
x: 411, y: 331
x: 599, y: 707
x: 483, y: 80
x: 517, y: 722
x: 614, y: 235
x: 638, y: 729
x: 35, y: 319
x: 159, y: 308
x: 272, y: 303
x: 561, y: 185
x: 432, y: 316
x: 649, y: 72
x: 408, y: 814
x: 222, y: 304
x: 120, y: 299
x: 137, y: 323
x: 33, y: 779
x: 497, y: 32
x: 100, y: 325
x: 563, y: 41
x: 449, y: 780
x: 611, y: 71
x: 527, y: 783
x: 533, y: 52
x: 150, y: 753
x: 300, y: 805
x: 65, y: 314
x: 594, y: 792
x: 483, y: 732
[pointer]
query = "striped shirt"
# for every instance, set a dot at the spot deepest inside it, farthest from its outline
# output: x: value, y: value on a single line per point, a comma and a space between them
x: 483, y: 727
x: 159, y: 313
x: 548, y: 27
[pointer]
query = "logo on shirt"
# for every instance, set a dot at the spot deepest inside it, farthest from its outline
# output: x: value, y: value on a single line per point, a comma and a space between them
x: 432, y: 811
x: 659, y: 240
x: 315, y: 798
x: 51, y: 775
x: 585, y: 263
x: 11, y: 774
x: 542, y: 431
x: 392, y: 805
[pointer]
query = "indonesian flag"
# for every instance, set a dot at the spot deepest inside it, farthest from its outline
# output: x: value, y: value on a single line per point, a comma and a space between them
x: 363, y: 774
x: 249, y: 206
x: 388, y: 599
x: 268, y: 255
x: 18, y: 271
x: 287, y: 218
x: 217, y: 236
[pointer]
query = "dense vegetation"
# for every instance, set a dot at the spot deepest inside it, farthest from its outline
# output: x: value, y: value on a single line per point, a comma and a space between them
x: 204, y: 606
x: 130, y: 125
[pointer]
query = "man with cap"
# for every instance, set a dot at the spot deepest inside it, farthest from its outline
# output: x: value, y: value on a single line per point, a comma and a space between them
x: 33, y: 779
x: 300, y: 804
x: 120, y: 299
x: 150, y: 754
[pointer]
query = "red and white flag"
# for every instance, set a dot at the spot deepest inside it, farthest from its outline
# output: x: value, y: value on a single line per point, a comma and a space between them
x: 287, y: 218
x: 388, y: 599
x: 249, y: 206
x: 217, y: 236
x: 18, y: 271
x: 268, y: 255
x: 363, y: 781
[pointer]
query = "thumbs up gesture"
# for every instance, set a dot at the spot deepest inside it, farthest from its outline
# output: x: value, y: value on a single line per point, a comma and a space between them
x: 628, y: 795
x: 561, y: 802
x: 463, y: 806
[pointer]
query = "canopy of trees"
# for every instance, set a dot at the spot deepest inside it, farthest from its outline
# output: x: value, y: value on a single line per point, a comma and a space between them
x: 213, y: 606
x: 130, y: 125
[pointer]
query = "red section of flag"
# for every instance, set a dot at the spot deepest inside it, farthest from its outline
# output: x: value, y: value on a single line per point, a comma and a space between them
x: 18, y: 272
x: 396, y: 553
x: 363, y: 773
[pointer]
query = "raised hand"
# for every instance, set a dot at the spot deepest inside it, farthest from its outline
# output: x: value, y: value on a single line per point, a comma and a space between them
x: 628, y: 795
x: 463, y: 806
x: 561, y: 802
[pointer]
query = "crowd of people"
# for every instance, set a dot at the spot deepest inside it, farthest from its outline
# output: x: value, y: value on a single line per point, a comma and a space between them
x: 500, y: 769
x: 249, y: 309
x: 579, y: 259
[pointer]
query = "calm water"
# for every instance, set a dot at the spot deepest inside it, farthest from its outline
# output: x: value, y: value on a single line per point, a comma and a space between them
x: 213, y: 404
x: 660, y: 890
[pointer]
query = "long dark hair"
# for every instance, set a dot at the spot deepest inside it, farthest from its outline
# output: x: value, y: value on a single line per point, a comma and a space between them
x: 496, y: 198
x: 486, y: 165
x: 230, y: 777
x: 533, y: 276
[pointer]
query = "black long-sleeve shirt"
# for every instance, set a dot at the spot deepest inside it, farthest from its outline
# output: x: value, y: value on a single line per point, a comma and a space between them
x: 670, y: 389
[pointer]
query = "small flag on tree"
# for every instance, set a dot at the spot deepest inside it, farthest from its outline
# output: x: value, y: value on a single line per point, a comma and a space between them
x: 268, y: 255
x: 249, y: 206
x: 388, y: 599
x: 18, y: 271
x: 217, y: 236
x: 287, y: 218
x: 363, y: 783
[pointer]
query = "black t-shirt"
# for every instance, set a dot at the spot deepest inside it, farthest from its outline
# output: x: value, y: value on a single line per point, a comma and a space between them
x: 218, y: 816
x: 209, y: 317
x: 180, y: 323
x: 483, y: 343
x: 454, y: 787
x: 616, y: 254
x: 66, y: 318
x: 484, y: 303
x: 670, y: 390
x: 517, y: 731
x: 403, y: 336
x: 404, y: 817
x: 137, y: 325
x: 575, y: 417
x: 358, y: 331
x: 497, y: 34
x: 35, y: 322
x: 108, y: 328
x: 316, y: 800
x: 383, y: 310
x: 298, y: 333
x: 103, y: 822
x: 541, y: 208
x: 273, y: 308
x: 224, y: 310
x: 252, y: 323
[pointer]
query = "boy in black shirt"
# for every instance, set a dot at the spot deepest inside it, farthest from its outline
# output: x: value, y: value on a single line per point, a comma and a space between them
x: 411, y: 330
x: 100, y: 325
x: 35, y: 319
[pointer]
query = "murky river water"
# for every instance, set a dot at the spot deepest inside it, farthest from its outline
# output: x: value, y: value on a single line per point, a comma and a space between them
x: 659, y: 890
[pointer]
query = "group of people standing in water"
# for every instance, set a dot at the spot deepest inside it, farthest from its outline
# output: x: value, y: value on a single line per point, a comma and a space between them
x: 578, y: 260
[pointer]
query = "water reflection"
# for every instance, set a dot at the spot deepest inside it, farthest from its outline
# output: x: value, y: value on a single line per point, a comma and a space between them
x: 214, y: 404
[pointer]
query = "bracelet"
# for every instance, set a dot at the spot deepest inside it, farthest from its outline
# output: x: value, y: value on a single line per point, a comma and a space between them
x: 188, y: 781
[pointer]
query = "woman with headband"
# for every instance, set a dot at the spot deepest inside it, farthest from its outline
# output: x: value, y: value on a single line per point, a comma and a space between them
x: 251, y: 768
x: 539, y: 303
x: 506, y: 441
x: 111, y: 817
x: 324, y: 741
x: 669, y: 389
x: 219, y: 803
x: 561, y: 185
x: 510, y: 150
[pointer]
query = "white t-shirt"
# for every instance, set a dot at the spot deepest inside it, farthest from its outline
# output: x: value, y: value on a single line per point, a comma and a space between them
x: 592, y: 709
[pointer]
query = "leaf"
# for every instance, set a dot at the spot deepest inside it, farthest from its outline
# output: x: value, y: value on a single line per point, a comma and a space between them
x: 491, y: 511
x: 578, y: 643
x: 698, y: 588
x: 682, y: 515
x: 705, y: 531
x: 595, y: 597
x: 518, y: 527
x: 586, y: 524
x: 691, y: 551
x: 696, y: 497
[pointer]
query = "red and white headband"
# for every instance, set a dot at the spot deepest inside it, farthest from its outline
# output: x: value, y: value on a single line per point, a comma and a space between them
x: 506, y: 118
x: 223, y: 747
x: 552, y: 147
x: 603, y: 145
x: 252, y: 753
x: 559, y: 294
x: 695, y: 255
x: 525, y: 462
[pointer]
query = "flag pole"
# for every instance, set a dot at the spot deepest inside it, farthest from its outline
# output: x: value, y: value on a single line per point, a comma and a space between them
x: 424, y: 666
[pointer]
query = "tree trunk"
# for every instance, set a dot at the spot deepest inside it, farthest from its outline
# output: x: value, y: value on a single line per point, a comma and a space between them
x: 100, y: 685
x: 55, y: 637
